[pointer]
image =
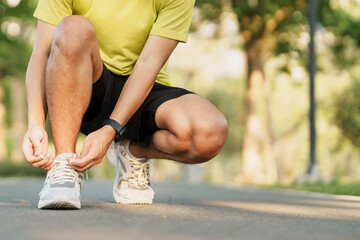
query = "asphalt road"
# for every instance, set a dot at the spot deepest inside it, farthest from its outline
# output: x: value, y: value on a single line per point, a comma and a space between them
x: 180, y: 212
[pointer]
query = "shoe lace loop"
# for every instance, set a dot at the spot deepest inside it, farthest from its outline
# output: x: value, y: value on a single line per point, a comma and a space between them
x: 62, y: 172
x: 141, y: 172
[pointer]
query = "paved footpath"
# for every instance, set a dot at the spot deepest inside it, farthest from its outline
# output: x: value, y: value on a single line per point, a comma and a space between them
x: 180, y: 212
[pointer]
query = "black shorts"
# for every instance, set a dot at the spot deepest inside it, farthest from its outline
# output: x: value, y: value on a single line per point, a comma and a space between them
x: 142, y: 125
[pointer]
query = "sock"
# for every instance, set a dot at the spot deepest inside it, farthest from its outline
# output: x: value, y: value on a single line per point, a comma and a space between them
x: 63, y: 156
x: 127, y: 149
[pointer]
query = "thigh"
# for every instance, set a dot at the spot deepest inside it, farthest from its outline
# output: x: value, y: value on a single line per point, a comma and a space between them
x: 142, y: 125
x: 190, y: 112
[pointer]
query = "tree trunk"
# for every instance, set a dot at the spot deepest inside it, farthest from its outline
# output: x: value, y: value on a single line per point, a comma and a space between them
x: 257, y: 156
x: 274, y: 161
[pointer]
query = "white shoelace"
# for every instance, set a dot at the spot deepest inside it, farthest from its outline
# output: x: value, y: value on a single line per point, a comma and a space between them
x: 62, y: 172
x: 140, y: 170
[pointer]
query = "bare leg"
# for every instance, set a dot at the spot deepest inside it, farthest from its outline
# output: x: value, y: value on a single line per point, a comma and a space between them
x: 74, y: 65
x: 193, y: 131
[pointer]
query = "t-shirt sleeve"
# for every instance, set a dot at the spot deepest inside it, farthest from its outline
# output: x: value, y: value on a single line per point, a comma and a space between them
x: 52, y: 11
x: 174, y: 19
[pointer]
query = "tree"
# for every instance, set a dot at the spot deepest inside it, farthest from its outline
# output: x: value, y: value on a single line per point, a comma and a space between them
x: 17, y: 25
x: 270, y: 28
x: 261, y: 23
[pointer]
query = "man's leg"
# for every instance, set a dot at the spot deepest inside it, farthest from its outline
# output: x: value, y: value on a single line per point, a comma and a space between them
x: 74, y: 65
x: 192, y: 131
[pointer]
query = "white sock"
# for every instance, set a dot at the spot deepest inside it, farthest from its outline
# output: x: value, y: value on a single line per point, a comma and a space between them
x: 127, y: 149
x: 64, y: 156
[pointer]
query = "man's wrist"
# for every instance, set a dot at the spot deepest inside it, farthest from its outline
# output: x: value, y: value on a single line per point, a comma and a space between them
x: 36, y: 120
x: 109, y: 131
x: 119, y: 129
x: 32, y: 123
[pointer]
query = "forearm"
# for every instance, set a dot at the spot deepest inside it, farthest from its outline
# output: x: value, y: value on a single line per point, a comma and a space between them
x: 136, y: 89
x: 152, y: 58
x: 35, y: 89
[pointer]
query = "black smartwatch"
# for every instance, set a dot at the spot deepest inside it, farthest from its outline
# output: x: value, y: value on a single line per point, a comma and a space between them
x: 120, y: 129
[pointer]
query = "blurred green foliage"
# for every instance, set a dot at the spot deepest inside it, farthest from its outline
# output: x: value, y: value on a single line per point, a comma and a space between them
x: 17, y: 25
x: 7, y: 100
x: 275, y: 25
x: 210, y: 9
x: 271, y: 29
x: 346, y: 114
x: 228, y: 95
x: 9, y: 169
x: 17, y: 30
x: 284, y: 21
x: 335, y: 187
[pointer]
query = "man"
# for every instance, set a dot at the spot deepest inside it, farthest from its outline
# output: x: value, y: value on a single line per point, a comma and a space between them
x: 99, y: 67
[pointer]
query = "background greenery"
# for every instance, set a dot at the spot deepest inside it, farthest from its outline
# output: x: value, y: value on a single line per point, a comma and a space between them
x: 249, y: 58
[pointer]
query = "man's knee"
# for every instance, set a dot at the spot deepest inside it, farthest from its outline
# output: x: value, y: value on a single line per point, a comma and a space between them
x: 73, y: 36
x: 209, y: 136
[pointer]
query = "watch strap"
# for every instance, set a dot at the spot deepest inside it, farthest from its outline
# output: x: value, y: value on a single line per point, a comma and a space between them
x: 120, y: 129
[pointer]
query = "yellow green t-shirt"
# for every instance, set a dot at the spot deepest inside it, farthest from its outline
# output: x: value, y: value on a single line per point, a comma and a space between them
x: 123, y: 26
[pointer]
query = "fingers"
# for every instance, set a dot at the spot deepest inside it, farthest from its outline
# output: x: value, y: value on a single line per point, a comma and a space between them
x: 83, y: 164
x: 46, y: 162
x: 86, y: 167
x: 84, y: 159
x: 79, y: 164
x: 49, y: 164
x: 32, y: 159
x: 29, y: 155
x: 85, y: 151
x: 36, y: 145
x: 41, y: 162
x: 27, y: 148
x: 44, y: 145
x: 94, y: 149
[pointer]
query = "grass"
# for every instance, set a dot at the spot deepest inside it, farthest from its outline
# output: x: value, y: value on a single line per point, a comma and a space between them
x: 335, y: 187
x: 8, y: 169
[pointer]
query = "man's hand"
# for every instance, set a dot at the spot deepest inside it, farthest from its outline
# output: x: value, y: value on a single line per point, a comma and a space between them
x: 35, y: 146
x: 94, y: 149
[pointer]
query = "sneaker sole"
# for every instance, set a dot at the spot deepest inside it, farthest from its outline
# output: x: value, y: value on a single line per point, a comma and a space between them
x: 60, y: 202
x: 138, y: 201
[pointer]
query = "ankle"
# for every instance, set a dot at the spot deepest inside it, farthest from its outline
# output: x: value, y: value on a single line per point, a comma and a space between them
x: 131, y: 149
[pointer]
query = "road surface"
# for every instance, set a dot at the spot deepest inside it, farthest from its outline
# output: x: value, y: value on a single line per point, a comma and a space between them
x: 180, y: 212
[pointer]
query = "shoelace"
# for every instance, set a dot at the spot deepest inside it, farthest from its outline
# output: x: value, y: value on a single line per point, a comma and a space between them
x: 141, y: 171
x: 62, y: 172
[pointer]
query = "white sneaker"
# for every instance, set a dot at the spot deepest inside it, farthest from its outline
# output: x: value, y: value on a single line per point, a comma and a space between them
x: 132, y: 181
x: 62, y: 186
